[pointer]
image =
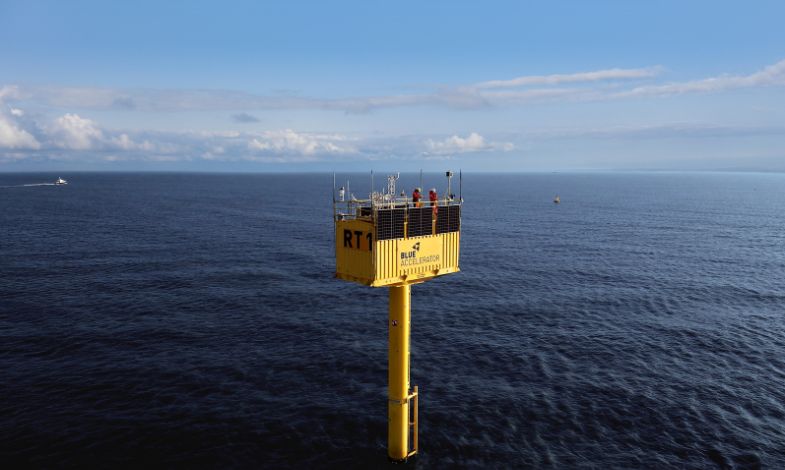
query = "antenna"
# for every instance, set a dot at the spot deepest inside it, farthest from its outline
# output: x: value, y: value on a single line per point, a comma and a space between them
x: 460, y: 185
x: 333, y: 188
x: 420, y: 179
x: 391, y: 179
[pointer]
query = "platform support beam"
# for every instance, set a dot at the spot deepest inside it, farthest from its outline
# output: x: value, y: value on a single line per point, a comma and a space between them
x: 398, y: 425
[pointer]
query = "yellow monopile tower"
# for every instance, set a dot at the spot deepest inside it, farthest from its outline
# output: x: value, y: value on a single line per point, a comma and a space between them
x: 390, y: 240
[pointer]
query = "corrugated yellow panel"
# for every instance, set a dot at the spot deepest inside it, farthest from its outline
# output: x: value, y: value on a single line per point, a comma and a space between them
x: 451, y: 248
x: 392, y: 262
x: 353, y: 251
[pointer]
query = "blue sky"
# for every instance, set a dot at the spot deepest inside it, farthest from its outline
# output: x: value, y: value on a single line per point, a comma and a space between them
x: 311, y: 86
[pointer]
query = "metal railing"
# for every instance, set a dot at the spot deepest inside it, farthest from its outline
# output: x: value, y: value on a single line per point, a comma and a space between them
x: 366, y: 208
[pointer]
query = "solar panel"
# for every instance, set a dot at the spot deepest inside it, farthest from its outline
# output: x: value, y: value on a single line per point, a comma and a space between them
x: 420, y: 221
x: 389, y: 223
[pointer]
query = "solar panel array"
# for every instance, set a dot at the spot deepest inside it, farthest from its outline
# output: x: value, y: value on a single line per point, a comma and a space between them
x: 389, y: 222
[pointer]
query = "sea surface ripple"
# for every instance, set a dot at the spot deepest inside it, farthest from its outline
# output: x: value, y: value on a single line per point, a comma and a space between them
x: 192, y: 320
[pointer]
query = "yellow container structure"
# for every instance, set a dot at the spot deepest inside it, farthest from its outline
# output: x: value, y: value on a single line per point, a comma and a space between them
x: 362, y: 257
x: 392, y: 241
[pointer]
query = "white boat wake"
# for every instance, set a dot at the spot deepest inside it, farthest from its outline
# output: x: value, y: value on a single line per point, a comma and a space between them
x: 27, y: 185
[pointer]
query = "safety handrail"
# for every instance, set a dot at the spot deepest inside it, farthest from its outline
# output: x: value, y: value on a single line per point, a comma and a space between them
x: 347, y: 210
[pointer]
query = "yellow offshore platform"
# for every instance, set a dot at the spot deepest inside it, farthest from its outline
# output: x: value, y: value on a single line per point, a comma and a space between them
x: 389, y: 240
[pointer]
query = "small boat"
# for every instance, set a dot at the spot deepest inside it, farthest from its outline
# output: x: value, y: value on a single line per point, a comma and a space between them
x: 61, y: 181
x: 556, y: 200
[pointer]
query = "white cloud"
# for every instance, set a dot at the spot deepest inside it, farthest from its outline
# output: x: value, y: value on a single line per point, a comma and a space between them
x: 73, y: 132
x: 69, y: 132
x: 523, y: 96
x: 9, y: 92
x: 12, y: 137
x: 769, y: 76
x: 474, y: 142
x: 215, y: 152
x: 288, y: 141
x: 591, y: 85
x: 658, y: 131
x: 12, y: 134
x: 557, y: 79
x: 73, y: 136
x: 123, y: 142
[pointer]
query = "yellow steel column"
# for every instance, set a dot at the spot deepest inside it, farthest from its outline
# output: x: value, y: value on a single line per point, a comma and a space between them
x: 398, y: 373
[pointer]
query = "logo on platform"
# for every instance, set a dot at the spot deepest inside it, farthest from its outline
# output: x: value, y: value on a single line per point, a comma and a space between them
x: 411, y: 258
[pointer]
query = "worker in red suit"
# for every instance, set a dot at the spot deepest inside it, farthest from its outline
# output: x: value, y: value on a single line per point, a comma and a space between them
x: 416, y: 196
x: 434, y: 200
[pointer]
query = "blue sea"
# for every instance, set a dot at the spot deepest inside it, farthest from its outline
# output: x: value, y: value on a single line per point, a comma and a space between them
x: 193, y: 321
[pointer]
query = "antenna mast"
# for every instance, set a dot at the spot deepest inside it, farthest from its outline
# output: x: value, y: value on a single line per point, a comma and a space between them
x: 449, y: 175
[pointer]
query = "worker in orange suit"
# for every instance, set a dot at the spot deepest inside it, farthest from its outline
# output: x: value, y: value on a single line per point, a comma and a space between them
x: 434, y: 200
